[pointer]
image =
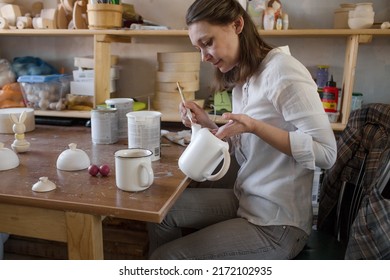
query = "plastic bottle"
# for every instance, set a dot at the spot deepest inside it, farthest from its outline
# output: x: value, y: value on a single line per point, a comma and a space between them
x: 279, y: 24
x: 330, y: 96
x: 285, y: 21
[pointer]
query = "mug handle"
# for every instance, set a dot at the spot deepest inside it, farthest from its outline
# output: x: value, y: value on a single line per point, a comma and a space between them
x: 224, y: 168
x: 149, y: 171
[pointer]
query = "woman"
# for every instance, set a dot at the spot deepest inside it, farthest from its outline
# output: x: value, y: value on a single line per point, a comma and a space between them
x: 278, y: 132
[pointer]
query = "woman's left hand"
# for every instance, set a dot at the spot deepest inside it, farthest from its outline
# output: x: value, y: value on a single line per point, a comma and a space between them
x: 237, y: 124
x: 240, y: 123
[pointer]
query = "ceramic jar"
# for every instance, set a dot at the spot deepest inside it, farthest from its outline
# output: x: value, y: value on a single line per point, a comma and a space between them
x: 269, y: 19
x: 364, y: 8
x: 361, y: 17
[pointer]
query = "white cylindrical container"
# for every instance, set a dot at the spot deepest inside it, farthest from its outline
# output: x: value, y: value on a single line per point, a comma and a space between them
x: 104, y: 125
x: 144, y: 131
x: 6, y: 124
x: 124, y: 106
x: 269, y: 19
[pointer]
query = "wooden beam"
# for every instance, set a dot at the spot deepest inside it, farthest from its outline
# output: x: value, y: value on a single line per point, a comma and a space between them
x: 349, y: 76
x: 33, y: 222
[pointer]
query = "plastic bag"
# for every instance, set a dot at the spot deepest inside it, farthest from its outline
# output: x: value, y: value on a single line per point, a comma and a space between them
x: 29, y: 65
x: 7, y: 76
x: 11, y: 96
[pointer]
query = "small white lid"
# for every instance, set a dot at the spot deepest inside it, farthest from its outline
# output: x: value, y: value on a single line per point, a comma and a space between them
x: 43, y: 185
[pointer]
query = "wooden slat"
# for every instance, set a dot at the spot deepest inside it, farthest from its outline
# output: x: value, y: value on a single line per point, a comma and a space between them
x: 349, y: 76
x: 122, y: 239
x: 34, y: 222
x: 19, y: 247
x: 102, y: 54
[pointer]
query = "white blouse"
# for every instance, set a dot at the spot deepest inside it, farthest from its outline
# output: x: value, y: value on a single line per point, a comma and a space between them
x: 273, y: 188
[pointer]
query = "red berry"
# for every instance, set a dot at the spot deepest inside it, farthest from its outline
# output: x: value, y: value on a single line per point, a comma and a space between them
x: 93, y: 170
x: 104, y: 170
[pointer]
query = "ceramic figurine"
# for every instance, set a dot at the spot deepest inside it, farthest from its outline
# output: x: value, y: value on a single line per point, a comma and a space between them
x: 20, y: 145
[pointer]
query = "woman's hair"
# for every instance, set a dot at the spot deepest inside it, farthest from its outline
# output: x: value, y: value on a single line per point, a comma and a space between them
x: 252, y: 48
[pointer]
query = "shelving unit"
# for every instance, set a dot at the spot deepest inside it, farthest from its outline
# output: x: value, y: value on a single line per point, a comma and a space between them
x: 104, y: 38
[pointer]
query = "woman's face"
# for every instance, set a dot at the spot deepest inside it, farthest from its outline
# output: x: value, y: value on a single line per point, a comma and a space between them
x: 218, y: 44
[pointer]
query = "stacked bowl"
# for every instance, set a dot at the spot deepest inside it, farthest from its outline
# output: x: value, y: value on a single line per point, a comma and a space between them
x: 361, y: 17
x: 173, y: 67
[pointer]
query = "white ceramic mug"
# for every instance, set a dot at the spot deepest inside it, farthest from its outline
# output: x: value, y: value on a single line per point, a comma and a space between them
x: 133, y: 169
x: 203, y: 155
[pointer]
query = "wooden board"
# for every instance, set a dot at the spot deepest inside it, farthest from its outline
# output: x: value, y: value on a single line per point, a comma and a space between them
x: 122, y: 239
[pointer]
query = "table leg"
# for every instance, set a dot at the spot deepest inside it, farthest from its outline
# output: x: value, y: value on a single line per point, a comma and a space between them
x: 85, y: 236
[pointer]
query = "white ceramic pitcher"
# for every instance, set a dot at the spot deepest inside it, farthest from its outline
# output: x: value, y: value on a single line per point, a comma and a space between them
x: 203, y: 155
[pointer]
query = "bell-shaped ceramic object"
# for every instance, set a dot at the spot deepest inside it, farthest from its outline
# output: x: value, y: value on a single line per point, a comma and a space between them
x: 73, y: 159
x: 8, y: 158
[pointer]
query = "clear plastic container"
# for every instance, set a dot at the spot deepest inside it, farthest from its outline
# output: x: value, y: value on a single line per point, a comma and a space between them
x: 45, y: 92
x: 357, y: 101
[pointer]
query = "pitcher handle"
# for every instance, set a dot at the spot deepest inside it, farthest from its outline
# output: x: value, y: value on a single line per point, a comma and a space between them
x: 144, y: 184
x: 224, y: 168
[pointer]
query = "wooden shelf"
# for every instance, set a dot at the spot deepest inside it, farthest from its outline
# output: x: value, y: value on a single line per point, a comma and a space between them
x: 174, y: 33
x: 63, y: 114
x: 104, y: 38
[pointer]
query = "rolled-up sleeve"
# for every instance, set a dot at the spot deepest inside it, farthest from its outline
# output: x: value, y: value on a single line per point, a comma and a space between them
x: 313, y: 143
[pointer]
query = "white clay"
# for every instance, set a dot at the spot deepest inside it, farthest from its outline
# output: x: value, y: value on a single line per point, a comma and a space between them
x: 43, y: 104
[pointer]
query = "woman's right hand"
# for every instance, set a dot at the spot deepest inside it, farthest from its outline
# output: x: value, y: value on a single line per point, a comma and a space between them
x: 199, y: 115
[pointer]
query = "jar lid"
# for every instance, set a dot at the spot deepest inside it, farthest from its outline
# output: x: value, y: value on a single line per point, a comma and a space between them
x: 323, y: 66
x: 331, y: 82
x: 43, y: 185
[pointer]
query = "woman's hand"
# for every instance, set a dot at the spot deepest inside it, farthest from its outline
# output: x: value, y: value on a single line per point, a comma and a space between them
x: 199, y: 115
x: 240, y: 123
x: 237, y: 124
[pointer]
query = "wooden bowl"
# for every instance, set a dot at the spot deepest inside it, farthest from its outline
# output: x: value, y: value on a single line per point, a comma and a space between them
x: 104, y: 16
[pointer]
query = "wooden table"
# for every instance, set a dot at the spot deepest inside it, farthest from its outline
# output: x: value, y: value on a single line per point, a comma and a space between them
x: 73, y: 212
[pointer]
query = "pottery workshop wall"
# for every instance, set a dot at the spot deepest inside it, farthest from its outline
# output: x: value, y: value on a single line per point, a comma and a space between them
x: 138, y: 61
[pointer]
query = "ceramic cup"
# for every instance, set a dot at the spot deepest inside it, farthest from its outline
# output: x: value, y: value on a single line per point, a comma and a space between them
x: 133, y: 169
x: 203, y: 155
